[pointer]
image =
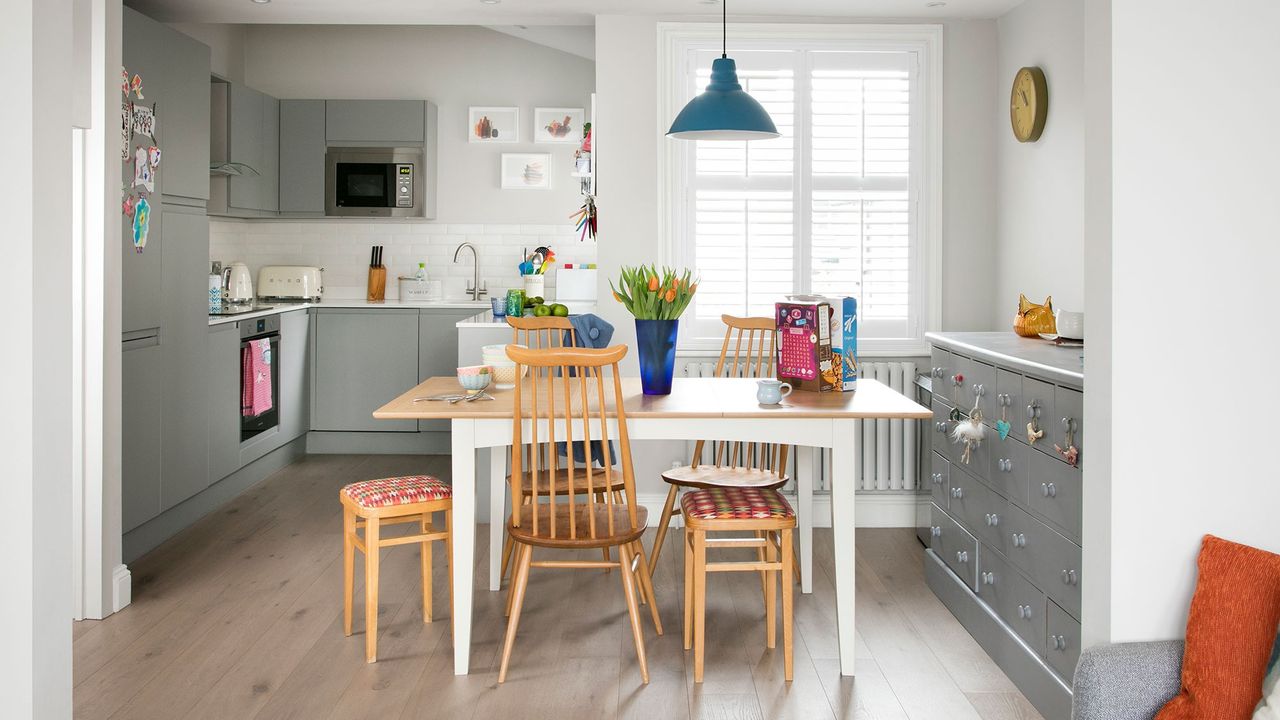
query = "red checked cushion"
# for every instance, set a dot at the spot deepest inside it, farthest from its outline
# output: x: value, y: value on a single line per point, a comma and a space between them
x: 406, y: 490
x: 1230, y: 631
x: 735, y: 503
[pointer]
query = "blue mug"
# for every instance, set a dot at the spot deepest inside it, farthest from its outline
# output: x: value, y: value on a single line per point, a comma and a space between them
x: 771, y: 392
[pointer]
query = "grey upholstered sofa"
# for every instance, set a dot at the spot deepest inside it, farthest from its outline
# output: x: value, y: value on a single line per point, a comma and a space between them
x: 1127, y: 681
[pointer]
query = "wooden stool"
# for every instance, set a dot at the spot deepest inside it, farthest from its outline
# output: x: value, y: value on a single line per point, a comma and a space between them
x: 372, y: 504
x: 766, y: 513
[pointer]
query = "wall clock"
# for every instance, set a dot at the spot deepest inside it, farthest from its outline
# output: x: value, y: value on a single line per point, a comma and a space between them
x: 1028, y: 104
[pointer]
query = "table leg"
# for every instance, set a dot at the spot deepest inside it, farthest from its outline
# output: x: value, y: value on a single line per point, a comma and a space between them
x: 464, y: 539
x: 843, y: 458
x: 497, y: 513
x: 804, y: 498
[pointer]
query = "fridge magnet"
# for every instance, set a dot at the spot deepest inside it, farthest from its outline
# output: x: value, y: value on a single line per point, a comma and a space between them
x: 127, y: 207
x: 144, y: 121
x: 526, y: 171
x: 493, y: 124
x: 1033, y: 433
x: 126, y: 128
x: 153, y: 157
x: 970, y: 433
x: 142, y: 175
x: 124, y: 81
x: 558, y: 125
x: 141, y: 224
x: 136, y: 86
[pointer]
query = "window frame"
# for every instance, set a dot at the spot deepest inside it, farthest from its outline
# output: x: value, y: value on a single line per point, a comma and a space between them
x: 675, y: 43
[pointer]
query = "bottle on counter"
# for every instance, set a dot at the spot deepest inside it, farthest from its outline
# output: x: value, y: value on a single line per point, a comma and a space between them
x: 421, y: 275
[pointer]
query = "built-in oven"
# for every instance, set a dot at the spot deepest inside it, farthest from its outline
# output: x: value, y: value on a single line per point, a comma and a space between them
x: 374, y: 182
x: 259, y: 375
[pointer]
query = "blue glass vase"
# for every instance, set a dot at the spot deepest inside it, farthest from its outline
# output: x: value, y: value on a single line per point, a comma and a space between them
x: 656, y: 348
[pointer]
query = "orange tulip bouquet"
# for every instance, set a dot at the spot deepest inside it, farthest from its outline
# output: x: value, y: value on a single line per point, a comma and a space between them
x: 656, y: 298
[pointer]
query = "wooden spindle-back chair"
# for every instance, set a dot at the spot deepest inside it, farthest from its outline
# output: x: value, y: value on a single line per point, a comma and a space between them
x: 567, y: 398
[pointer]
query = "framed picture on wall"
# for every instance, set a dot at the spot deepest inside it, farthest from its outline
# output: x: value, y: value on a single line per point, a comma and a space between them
x: 493, y: 124
x: 558, y: 125
x: 526, y: 171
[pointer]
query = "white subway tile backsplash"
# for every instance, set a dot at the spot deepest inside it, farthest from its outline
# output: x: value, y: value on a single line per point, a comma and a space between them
x: 342, y: 249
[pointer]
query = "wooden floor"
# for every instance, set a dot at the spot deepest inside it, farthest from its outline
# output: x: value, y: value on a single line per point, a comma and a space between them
x: 241, y: 617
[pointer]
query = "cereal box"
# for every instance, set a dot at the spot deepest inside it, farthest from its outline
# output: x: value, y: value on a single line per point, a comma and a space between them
x: 843, y: 324
x: 804, y: 344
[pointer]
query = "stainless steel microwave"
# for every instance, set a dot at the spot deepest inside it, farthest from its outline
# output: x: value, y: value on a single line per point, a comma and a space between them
x: 374, y: 182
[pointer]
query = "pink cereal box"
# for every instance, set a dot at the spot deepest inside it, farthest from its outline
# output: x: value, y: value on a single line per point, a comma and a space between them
x: 804, y: 344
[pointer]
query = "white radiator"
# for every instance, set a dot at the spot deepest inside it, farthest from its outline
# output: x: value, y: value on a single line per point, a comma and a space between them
x: 888, y: 450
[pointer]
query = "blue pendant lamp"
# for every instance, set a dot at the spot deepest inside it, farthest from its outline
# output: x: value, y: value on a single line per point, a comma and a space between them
x: 725, y: 111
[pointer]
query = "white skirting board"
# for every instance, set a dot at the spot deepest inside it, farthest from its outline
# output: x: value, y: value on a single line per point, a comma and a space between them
x: 121, y: 588
x: 874, y: 509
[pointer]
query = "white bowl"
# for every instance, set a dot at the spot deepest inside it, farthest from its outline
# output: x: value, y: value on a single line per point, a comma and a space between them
x: 504, y: 375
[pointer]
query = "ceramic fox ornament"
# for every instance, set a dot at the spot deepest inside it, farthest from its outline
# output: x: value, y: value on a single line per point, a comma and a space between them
x: 1033, y: 319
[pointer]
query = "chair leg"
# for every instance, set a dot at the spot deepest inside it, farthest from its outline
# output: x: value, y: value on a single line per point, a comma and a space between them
x: 764, y: 574
x: 668, y: 509
x: 371, y: 539
x: 646, y: 585
x: 770, y: 595
x: 519, y: 581
x: 426, y: 569
x: 507, y: 545
x: 633, y: 608
x: 348, y: 567
x: 795, y: 565
x: 607, y: 557
x: 688, y: 589
x: 788, y: 649
x: 699, y: 603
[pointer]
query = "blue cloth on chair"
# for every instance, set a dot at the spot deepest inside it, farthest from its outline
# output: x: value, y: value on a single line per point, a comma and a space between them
x: 590, y: 331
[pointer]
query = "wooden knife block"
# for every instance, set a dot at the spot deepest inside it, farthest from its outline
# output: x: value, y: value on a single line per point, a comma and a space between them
x: 377, y: 284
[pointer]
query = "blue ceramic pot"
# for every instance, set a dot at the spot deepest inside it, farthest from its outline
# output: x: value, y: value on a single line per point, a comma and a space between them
x: 656, y: 348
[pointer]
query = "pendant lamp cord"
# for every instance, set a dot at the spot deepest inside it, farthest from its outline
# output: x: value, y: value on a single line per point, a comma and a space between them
x: 724, y: 28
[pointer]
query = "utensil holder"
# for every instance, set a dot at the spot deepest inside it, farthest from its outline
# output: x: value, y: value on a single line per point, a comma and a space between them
x: 535, y: 286
x: 377, y: 284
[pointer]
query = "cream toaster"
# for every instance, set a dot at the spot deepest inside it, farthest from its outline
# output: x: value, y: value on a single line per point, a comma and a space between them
x: 290, y: 283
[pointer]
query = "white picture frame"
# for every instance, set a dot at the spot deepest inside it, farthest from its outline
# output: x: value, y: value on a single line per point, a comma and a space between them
x: 503, y: 124
x: 525, y: 171
x: 548, y: 121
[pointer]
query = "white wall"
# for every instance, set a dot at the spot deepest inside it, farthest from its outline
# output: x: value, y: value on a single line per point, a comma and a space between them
x: 35, y: 375
x: 1040, y: 187
x: 1194, y: 262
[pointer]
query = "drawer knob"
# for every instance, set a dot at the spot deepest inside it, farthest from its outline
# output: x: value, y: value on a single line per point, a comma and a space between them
x: 988, y: 578
x: 957, y: 379
x: 1059, y: 642
x: 937, y: 478
x: 1006, y: 465
x: 1024, y: 612
x: 1053, y: 490
x: 1068, y: 577
x: 993, y: 519
x: 1033, y: 410
x: 1068, y: 424
x: 957, y: 493
x: 962, y: 556
x: 1019, y: 539
x: 935, y: 531
x: 979, y: 389
x: 1049, y: 490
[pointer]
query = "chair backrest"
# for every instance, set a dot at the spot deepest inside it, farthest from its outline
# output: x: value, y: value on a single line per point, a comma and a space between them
x: 564, y: 398
x: 541, y: 332
x: 754, y: 342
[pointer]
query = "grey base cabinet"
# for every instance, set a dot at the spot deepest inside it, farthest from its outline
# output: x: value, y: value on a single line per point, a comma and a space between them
x: 140, y: 437
x: 438, y: 351
x: 295, y: 390
x: 222, y: 384
x: 1005, y: 517
x: 363, y: 358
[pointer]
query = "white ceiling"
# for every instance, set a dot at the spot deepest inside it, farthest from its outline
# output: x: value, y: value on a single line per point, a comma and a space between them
x: 540, y: 12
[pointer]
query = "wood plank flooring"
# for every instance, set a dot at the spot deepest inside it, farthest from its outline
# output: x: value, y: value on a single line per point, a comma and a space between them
x: 240, y: 616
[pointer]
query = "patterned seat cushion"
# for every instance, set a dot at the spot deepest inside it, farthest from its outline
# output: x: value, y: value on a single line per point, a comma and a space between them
x: 405, y: 490
x: 732, y: 503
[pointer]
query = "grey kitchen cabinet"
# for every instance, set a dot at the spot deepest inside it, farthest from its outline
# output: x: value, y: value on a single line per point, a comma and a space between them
x: 438, y: 350
x: 295, y: 352
x: 384, y: 122
x: 222, y: 368
x: 183, y: 113
x: 141, y: 420
x: 302, y: 148
x: 363, y: 358
x: 253, y: 139
x: 143, y: 55
x: 185, y: 436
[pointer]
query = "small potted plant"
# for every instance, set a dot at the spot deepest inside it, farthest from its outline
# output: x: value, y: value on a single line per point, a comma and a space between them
x: 656, y: 297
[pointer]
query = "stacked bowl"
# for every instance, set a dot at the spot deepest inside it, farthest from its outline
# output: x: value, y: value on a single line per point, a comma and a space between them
x: 504, y: 368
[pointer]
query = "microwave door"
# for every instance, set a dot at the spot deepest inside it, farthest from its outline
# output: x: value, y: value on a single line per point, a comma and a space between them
x: 363, y: 185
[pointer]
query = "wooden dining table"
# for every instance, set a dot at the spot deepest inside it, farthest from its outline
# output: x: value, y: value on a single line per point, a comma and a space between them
x: 717, y: 409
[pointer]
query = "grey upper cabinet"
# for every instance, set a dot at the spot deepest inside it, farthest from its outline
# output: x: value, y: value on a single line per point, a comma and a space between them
x: 294, y: 356
x: 140, y: 418
x: 253, y: 139
x: 384, y: 122
x: 185, y: 435
x: 222, y: 385
x: 183, y: 110
x: 363, y: 358
x: 302, y: 147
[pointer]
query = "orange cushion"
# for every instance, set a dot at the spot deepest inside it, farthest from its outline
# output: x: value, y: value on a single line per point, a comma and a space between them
x: 734, y: 503
x: 406, y: 490
x: 1230, y: 631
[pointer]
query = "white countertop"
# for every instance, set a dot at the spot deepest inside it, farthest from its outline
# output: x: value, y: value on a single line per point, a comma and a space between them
x: 485, y: 319
x: 280, y: 307
x: 1033, y: 356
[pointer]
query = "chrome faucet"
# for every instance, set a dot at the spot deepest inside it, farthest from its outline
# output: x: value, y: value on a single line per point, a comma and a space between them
x: 475, y: 290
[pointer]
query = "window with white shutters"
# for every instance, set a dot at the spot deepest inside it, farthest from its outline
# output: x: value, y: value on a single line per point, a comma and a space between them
x: 831, y: 207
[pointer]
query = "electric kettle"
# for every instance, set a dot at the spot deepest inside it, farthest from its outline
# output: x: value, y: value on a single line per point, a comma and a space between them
x: 238, y: 282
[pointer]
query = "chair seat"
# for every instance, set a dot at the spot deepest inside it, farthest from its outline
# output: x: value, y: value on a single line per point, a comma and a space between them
x: 392, y: 491
x: 621, y: 535
x: 709, y: 476
x: 579, y: 481
x: 735, y: 504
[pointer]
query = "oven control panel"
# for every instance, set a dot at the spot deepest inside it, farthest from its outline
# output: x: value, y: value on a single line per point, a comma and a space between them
x: 404, y: 185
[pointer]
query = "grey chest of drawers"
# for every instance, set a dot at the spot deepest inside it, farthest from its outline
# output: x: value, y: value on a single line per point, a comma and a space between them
x: 1005, y: 533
